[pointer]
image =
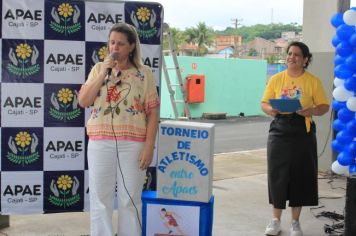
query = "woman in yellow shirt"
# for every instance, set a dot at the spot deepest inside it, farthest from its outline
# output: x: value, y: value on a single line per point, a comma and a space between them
x: 291, y: 147
x: 122, y: 131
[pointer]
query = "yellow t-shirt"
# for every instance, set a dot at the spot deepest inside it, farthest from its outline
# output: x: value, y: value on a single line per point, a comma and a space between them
x: 123, y: 106
x: 307, y: 88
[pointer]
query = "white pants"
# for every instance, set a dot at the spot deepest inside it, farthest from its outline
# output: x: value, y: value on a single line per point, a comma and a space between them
x: 104, y: 172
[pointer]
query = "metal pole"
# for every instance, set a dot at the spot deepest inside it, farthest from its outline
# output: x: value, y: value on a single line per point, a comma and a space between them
x: 350, y: 208
x: 350, y: 205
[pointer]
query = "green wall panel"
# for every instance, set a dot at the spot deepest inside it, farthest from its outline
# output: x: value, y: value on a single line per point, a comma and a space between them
x: 232, y: 86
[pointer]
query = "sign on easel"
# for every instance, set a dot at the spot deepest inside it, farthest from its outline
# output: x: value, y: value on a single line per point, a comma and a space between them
x: 185, y: 161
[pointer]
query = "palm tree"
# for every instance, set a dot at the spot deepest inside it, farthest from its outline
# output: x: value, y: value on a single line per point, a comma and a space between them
x: 190, y: 36
x: 205, y: 37
x: 177, y: 37
x: 202, y: 36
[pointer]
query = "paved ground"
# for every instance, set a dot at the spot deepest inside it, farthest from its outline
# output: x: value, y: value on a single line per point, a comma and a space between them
x: 241, y: 207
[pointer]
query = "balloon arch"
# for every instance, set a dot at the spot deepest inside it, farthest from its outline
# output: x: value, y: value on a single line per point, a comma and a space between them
x: 344, y: 93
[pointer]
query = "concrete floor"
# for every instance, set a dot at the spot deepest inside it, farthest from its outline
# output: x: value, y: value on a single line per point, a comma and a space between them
x: 241, y: 203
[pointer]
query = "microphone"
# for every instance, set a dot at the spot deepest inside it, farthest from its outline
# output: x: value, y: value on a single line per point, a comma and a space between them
x: 114, y: 56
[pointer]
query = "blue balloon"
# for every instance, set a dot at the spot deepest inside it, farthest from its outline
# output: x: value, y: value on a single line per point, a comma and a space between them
x: 344, y: 137
x: 350, y: 84
x: 345, y: 115
x: 344, y: 31
x: 352, y: 169
x: 351, y: 148
x: 342, y: 71
x: 344, y: 49
x: 339, y: 60
x: 351, y: 62
x: 338, y: 105
x: 337, y: 20
x: 336, y: 146
x: 338, y: 125
x: 351, y: 127
x: 345, y: 158
x: 335, y: 41
x: 352, y: 39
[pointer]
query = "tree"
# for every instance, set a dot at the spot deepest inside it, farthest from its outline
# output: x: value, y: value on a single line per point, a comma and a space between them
x: 272, y: 59
x: 177, y: 37
x: 205, y: 35
x: 202, y: 36
x: 252, y: 52
x: 190, y: 35
x: 270, y: 31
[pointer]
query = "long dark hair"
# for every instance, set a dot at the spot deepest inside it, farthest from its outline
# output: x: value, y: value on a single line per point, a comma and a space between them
x: 305, y: 51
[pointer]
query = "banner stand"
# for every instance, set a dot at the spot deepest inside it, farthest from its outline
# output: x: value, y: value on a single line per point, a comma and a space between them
x: 4, y: 221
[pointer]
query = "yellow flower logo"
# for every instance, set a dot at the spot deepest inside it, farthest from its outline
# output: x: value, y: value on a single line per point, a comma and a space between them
x: 23, y: 139
x: 65, y: 10
x: 143, y: 14
x: 64, y: 182
x: 103, y: 52
x: 23, y: 50
x: 65, y: 95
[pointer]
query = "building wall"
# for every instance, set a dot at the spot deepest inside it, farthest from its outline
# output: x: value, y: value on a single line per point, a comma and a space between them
x: 263, y: 47
x: 228, y: 40
x: 232, y: 86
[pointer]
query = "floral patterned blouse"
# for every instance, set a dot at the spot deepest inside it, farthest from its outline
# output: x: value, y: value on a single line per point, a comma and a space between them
x: 121, y: 107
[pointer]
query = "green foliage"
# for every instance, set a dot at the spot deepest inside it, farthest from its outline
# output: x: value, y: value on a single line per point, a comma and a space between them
x: 272, y: 59
x: 203, y: 35
x: 252, y: 52
x: 177, y: 36
x: 270, y: 31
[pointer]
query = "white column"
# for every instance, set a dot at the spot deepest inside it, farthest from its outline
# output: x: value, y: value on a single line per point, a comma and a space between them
x: 317, y: 34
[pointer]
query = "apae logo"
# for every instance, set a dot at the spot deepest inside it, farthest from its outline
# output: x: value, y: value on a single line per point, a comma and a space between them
x: 23, y: 61
x: 64, y: 105
x: 65, y: 19
x: 100, y: 55
x: 23, y: 148
x: 144, y: 20
x: 64, y: 192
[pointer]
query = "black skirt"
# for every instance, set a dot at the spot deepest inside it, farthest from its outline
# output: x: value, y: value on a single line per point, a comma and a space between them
x: 292, y: 162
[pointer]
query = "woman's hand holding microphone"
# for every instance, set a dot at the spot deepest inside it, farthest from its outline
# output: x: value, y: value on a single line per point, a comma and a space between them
x: 107, y: 65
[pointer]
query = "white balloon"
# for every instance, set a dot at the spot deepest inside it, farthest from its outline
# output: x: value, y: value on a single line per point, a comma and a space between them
x: 338, y: 82
x: 351, y: 104
x: 339, y: 169
x: 341, y: 94
x: 349, y: 17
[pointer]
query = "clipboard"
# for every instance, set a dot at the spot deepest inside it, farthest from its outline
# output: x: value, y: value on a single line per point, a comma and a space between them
x: 286, y: 105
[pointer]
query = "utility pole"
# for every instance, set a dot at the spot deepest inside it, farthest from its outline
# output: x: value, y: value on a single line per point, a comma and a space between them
x: 236, y: 23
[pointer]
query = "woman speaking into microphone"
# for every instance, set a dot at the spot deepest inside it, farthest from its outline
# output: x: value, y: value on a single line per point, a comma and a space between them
x: 122, y: 130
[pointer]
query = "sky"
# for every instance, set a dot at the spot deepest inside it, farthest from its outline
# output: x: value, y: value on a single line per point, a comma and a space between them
x: 219, y: 14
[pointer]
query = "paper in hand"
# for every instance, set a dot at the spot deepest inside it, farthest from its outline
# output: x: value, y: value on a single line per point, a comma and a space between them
x: 286, y: 105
